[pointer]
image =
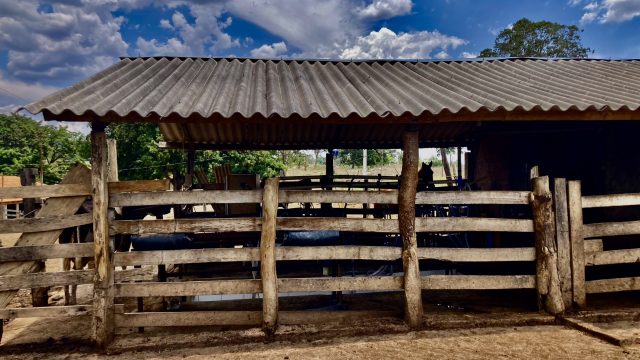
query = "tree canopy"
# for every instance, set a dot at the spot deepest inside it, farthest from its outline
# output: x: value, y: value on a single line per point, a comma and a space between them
x: 353, y: 157
x: 25, y: 143
x: 538, y: 39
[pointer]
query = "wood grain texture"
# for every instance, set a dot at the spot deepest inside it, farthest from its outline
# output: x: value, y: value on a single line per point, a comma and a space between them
x: 45, y: 191
x: 478, y: 282
x: 269, y: 278
x: 186, y: 197
x: 578, y: 243
x: 40, y: 224
x: 42, y: 252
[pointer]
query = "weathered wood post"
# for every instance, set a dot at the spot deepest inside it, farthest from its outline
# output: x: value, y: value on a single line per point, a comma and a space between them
x: 406, y: 222
x: 103, y: 316
x: 577, y: 244
x: 563, y: 240
x: 547, y: 280
x: 268, y: 257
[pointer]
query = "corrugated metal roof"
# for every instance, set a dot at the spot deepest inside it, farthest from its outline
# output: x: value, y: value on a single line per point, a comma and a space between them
x: 215, y: 95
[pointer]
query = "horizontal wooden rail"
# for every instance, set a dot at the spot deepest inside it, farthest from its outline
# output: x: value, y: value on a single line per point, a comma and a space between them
x: 338, y: 196
x: 147, y: 273
x: 477, y: 254
x: 339, y: 224
x: 611, y: 229
x: 43, y: 252
x: 625, y: 256
x: 597, y: 201
x: 356, y: 283
x: 188, y: 288
x: 184, y: 226
x: 188, y: 256
x: 478, y: 282
x: 340, y: 252
x: 138, y: 185
x: 612, y: 285
x: 593, y: 245
x: 34, y: 280
x: 45, y: 191
x: 473, y: 197
x: 186, y: 197
x: 50, y: 311
x: 29, y: 225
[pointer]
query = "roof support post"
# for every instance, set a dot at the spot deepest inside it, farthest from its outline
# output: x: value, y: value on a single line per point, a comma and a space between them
x: 268, y: 257
x: 103, y: 315
x: 406, y: 222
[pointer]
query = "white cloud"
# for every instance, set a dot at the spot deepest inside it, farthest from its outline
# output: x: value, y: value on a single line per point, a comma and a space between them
x: 610, y: 11
x: 468, y: 55
x: 442, y: 55
x: 19, y: 92
x: 270, y: 51
x: 384, y: 9
x: 386, y: 44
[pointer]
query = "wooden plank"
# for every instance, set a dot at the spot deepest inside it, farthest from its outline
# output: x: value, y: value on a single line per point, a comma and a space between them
x: 477, y: 254
x: 473, y: 197
x: 355, y: 283
x: 597, y: 201
x: 624, y: 256
x: 339, y: 224
x: 336, y: 196
x: 593, y: 245
x: 52, y: 207
x: 103, y: 316
x: 42, y: 252
x: 577, y: 243
x: 268, y: 274
x: 547, y: 278
x: 184, y: 226
x: 39, y: 224
x: 186, y: 197
x: 563, y: 240
x: 117, y: 187
x: 342, y: 252
x: 45, y: 191
x: 611, y: 229
x: 190, y: 256
x: 41, y: 312
x: 189, y: 318
x: 448, y: 224
x: 413, y: 310
x: 188, y: 288
x: 142, y: 274
x: 612, y: 285
x: 324, y: 317
x: 478, y: 282
x: 33, y: 280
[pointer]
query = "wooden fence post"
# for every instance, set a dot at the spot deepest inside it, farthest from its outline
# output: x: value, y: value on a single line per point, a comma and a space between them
x: 268, y: 257
x: 563, y: 240
x: 547, y: 280
x: 28, y: 176
x: 577, y: 243
x: 406, y: 222
x: 103, y: 318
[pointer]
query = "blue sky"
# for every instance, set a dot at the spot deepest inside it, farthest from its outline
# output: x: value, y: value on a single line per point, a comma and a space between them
x: 47, y: 45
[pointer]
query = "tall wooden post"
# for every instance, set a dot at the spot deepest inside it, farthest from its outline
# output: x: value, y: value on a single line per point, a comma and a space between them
x: 577, y: 244
x: 547, y: 279
x: 268, y: 257
x: 39, y: 296
x: 563, y: 240
x: 103, y: 316
x: 406, y: 222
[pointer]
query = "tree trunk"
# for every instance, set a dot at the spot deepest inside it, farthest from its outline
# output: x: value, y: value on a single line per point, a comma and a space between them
x: 445, y: 163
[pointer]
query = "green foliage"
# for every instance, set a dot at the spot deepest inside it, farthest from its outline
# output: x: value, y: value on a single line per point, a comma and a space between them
x: 538, y: 39
x: 353, y: 157
x: 24, y: 143
x: 435, y: 160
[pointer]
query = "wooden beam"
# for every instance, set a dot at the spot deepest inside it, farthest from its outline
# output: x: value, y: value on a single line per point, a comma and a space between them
x: 45, y: 191
x: 478, y: 282
x: 407, y: 227
x: 473, y: 197
x: 612, y: 285
x: 563, y: 240
x: 338, y: 196
x: 597, y: 201
x: 477, y: 255
x: 188, y: 288
x: 184, y: 225
x: 189, y: 256
x: 624, y: 256
x: 341, y: 252
x: 42, y: 312
x: 577, y: 244
x: 39, y: 224
x: 138, y: 186
x: 46, y: 279
x: 611, y: 229
x: 43, y: 252
x: 461, y: 224
x: 103, y: 319
x: 593, y: 245
x: 189, y: 318
x: 547, y: 278
x: 344, y: 283
x: 186, y: 197
x: 268, y: 257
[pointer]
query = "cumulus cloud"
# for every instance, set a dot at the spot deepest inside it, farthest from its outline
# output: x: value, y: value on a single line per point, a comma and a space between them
x: 608, y: 11
x: 269, y: 51
x: 384, y: 9
x: 468, y: 55
x: 386, y: 44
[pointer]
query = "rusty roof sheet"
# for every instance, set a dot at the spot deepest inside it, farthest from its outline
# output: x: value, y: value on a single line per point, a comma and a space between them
x: 216, y: 90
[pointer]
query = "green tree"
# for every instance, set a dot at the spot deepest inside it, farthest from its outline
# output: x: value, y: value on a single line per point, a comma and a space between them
x: 25, y: 142
x: 538, y: 39
x: 353, y: 157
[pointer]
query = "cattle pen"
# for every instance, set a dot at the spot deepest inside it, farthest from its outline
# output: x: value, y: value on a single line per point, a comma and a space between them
x: 547, y: 233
